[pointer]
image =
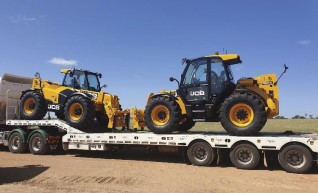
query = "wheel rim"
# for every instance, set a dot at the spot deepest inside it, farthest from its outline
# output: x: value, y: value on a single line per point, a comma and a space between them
x: 29, y: 106
x: 15, y: 142
x: 200, y: 153
x: 160, y: 115
x: 244, y: 155
x: 76, y: 111
x: 36, y: 143
x: 241, y: 115
x: 295, y: 158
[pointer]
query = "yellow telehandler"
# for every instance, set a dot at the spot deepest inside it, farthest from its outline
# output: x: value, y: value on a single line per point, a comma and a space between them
x: 207, y: 93
x: 78, y: 100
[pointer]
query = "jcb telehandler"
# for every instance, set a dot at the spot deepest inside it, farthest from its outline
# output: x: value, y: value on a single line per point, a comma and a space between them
x: 78, y: 100
x: 207, y: 93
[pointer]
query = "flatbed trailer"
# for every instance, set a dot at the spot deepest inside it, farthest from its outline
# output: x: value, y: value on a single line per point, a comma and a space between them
x: 295, y: 152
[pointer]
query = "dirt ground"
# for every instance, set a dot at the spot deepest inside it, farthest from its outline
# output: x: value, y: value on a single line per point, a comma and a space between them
x: 139, y: 171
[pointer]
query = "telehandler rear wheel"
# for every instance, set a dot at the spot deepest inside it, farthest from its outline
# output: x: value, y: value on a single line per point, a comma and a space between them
x: 162, y: 115
x: 32, y: 106
x: 242, y: 114
x: 79, y: 112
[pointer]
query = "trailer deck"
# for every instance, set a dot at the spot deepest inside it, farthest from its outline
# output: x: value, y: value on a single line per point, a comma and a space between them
x: 296, y: 152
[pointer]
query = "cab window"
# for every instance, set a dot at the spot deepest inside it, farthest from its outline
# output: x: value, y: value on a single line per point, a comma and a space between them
x: 196, y: 73
x: 78, y: 81
x: 93, y: 83
x: 218, y: 76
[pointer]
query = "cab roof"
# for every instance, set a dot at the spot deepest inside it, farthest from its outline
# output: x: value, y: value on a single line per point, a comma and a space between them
x: 229, y: 59
x: 66, y: 70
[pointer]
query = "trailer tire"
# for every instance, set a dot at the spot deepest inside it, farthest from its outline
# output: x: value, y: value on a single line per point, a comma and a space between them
x: 79, y: 112
x: 245, y: 156
x: 200, y: 153
x: 295, y: 159
x: 32, y: 106
x: 162, y: 115
x: 243, y: 115
x: 38, y: 144
x: 16, y: 144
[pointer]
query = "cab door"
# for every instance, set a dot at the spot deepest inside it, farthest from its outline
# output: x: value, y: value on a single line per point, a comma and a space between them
x: 194, y: 87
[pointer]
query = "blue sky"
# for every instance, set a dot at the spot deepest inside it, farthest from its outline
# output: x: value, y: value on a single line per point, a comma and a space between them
x: 139, y: 44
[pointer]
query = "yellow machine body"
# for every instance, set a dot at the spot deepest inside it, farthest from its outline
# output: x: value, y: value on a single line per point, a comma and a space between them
x: 103, y: 101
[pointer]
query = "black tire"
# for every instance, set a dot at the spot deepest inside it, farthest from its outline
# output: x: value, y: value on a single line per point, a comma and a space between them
x: 60, y: 116
x: 245, y: 156
x: 162, y: 115
x: 187, y: 125
x: 295, y: 159
x: 102, y: 119
x: 38, y: 144
x: 32, y: 106
x: 242, y: 115
x: 201, y: 153
x: 79, y: 112
x: 16, y: 144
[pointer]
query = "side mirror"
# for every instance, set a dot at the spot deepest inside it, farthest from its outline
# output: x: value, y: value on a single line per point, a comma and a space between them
x: 100, y: 75
x: 104, y: 86
x: 174, y: 79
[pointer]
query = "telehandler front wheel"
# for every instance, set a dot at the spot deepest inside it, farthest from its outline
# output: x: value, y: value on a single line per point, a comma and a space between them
x: 243, y: 115
x: 32, y: 106
x: 102, y: 119
x: 162, y: 115
x: 79, y: 112
x: 60, y: 115
x: 186, y: 125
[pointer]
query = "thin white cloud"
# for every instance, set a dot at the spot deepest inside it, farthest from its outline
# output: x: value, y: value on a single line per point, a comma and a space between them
x: 304, y: 42
x: 63, y: 62
x: 22, y: 19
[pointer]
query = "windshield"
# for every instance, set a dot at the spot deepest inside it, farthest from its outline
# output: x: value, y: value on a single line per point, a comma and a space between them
x: 79, y: 80
x: 93, y: 82
x: 196, y: 72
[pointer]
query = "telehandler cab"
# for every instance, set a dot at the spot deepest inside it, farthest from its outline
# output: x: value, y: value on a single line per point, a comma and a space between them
x: 207, y: 93
x: 78, y: 100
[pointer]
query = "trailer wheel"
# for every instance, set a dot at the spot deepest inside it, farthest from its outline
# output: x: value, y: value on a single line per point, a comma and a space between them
x: 295, y: 159
x: 16, y: 144
x: 245, y: 156
x: 201, y: 153
x: 32, y: 106
x: 38, y: 144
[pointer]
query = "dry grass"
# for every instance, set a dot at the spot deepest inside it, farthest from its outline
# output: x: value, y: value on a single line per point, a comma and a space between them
x: 272, y: 125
